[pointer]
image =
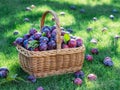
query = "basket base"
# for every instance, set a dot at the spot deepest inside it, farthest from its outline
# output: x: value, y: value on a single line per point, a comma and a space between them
x: 51, y: 73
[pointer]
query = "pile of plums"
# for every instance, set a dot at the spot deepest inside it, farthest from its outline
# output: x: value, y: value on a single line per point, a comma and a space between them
x: 46, y: 39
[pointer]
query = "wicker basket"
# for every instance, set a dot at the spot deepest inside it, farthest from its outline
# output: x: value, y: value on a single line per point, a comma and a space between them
x: 51, y: 62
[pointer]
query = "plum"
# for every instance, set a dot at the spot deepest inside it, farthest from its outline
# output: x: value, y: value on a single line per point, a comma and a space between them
x: 79, y: 42
x: 26, y: 36
x: 54, y: 32
x: 94, y: 51
x: 36, y: 49
x: 78, y: 81
x: 73, y: 7
x: 82, y: 10
x: 28, y: 9
x: 94, y: 18
x: 26, y: 20
x: 62, y: 13
x: 3, y: 74
x: 43, y: 39
x: 94, y: 41
x: 19, y: 41
x: 114, y: 11
x: 89, y: 29
x: 104, y: 29
x: 79, y: 74
x: 32, y: 31
x: 40, y: 88
x: 47, y: 31
x: 53, y: 28
x: 25, y: 44
x: 63, y: 33
x: 51, y: 45
x: 89, y: 57
x: 43, y: 47
x: 72, y: 43
x: 112, y: 17
x: 16, y: 32
x: 32, y: 6
x: 37, y: 35
x: 31, y: 78
x: 117, y: 36
x: 53, y: 19
x: 65, y: 46
x: 70, y: 30
x: 92, y: 77
x: 108, y: 61
x: 4, y: 69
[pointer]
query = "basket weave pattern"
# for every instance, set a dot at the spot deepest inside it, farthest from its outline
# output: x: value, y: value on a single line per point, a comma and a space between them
x: 51, y: 62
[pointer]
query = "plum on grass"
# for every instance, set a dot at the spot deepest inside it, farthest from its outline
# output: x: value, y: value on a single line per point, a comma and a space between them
x: 92, y: 77
x: 16, y: 32
x: 3, y: 74
x: 32, y: 31
x: 79, y: 74
x: 111, y: 17
x: 31, y: 78
x: 43, y: 47
x: 73, y: 7
x: 94, y: 18
x: 108, y: 61
x: 78, y: 81
x: 89, y: 57
x: 82, y: 10
x: 72, y: 43
x: 94, y: 51
x: 40, y: 88
x: 43, y: 39
x: 51, y: 45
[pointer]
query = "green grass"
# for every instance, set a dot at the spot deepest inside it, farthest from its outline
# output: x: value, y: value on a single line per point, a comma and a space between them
x: 12, y: 14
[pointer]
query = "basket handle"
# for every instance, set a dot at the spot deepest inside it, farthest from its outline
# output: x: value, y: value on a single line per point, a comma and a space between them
x: 58, y: 37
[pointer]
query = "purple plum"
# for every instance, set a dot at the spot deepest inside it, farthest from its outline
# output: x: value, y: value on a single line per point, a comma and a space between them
x: 31, y: 78
x: 72, y: 7
x: 112, y: 17
x: 4, y: 69
x: 54, y: 32
x: 40, y: 88
x: 26, y: 36
x: 32, y: 31
x: 82, y: 10
x: 92, y: 77
x: 53, y: 28
x: 37, y: 35
x: 94, y: 18
x: 89, y: 29
x: 89, y: 57
x: 94, y: 51
x: 72, y: 43
x: 79, y: 74
x: 51, y: 45
x: 65, y: 46
x: 3, y: 74
x: 15, y: 32
x: 43, y: 39
x: 78, y: 81
x: 79, y: 42
x: 47, y: 31
x: 108, y: 61
x: 19, y: 41
x: 43, y: 47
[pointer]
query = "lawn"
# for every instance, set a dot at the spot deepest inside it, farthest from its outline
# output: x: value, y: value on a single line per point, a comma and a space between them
x: 12, y: 14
